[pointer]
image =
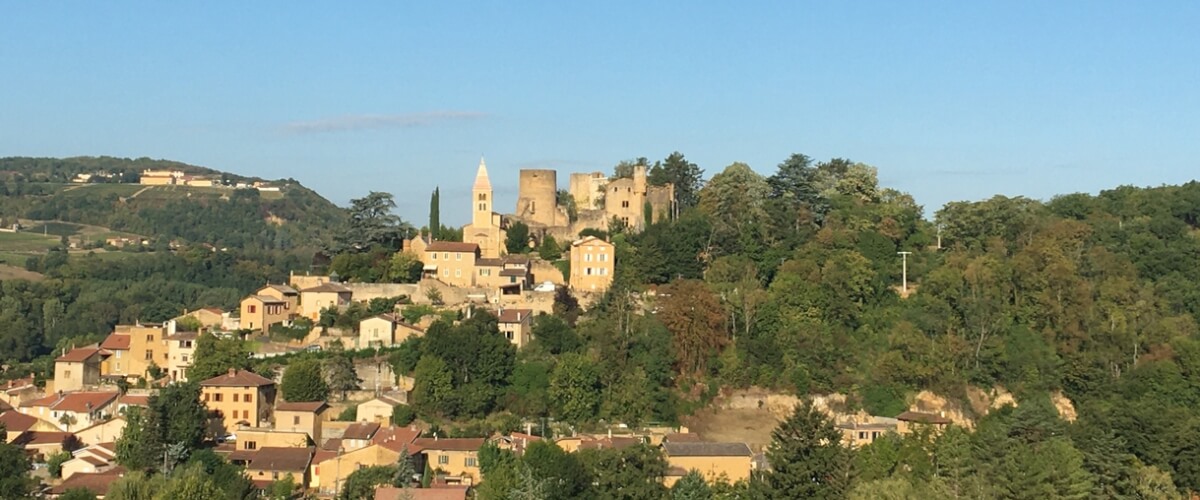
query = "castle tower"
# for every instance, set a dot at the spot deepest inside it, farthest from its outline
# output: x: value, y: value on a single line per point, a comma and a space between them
x: 481, y: 193
x: 537, y: 196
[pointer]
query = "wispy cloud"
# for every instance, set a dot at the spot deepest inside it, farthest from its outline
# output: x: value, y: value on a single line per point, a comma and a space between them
x: 351, y: 123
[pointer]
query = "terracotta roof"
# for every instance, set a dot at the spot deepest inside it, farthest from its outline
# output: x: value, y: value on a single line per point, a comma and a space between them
x: 707, y: 449
x: 361, y: 430
x: 36, y: 438
x: 284, y: 289
x: 97, y: 482
x: 18, y: 384
x: 394, y: 493
x: 282, y: 459
x: 450, y: 444
x: 82, y: 354
x: 924, y: 418
x: 514, y: 315
x: 266, y: 299
x: 608, y: 442
x: 514, y: 272
x: 5, y: 406
x: 485, y: 262
x: 237, y: 378
x: 134, y: 400
x: 116, y: 342
x: 74, y: 401
x: 332, y: 444
x: 516, y: 259
x: 326, y: 288
x: 313, y: 407
x: 396, y: 438
x: 15, y: 421
x: 451, y: 246
x: 100, y: 422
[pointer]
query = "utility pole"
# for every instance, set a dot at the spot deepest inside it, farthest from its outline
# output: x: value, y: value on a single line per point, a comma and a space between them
x: 939, y: 236
x: 904, y: 272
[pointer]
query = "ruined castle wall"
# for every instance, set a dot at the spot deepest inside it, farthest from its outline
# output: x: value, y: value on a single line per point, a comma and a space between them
x: 587, y: 189
x: 537, y: 197
x: 661, y: 198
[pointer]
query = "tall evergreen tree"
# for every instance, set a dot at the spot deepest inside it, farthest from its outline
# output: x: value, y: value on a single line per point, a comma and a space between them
x: 807, y: 458
x: 435, y: 215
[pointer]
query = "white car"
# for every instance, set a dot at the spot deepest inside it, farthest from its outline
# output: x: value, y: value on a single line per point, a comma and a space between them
x: 546, y: 286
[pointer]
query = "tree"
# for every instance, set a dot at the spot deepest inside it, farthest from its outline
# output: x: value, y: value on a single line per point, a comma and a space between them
x: 795, y: 199
x: 303, y: 381
x: 67, y: 420
x: 282, y: 489
x: 550, y: 250
x: 562, y: 473
x: 405, y: 470
x: 177, y: 418
x: 405, y: 267
x: 691, y: 487
x: 807, y: 458
x: 575, y: 388
x: 693, y: 315
x: 372, y: 223
x: 216, y: 355
x: 15, y: 482
x: 517, y: 238
x: 78, y: 494
x: 361, y: 484
x: 630, y: 472
x: 402, y: 415
x: 435, y: 215
x: 433, y: 386
x: 54, y: 463
x: 684, y: 175
x: 192, y: 483
x: 339, y: 372
x: 138, y: 449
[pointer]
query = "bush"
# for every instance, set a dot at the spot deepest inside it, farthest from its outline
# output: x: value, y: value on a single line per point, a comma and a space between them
x: 54, y: 464
x: 403, y: 415
x: 350, y: 414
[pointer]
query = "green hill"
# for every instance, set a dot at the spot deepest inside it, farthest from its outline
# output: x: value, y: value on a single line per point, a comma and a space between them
x: 39, y: 189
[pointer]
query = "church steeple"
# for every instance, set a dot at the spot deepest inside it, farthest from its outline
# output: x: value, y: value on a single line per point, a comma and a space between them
x: 481, y: 195
x: 481, y: 177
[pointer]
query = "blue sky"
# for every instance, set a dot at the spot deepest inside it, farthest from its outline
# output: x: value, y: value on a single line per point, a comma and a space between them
x: 950, y: 100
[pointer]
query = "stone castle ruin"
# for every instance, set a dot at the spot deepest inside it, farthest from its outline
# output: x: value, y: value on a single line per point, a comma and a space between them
x: 592, y: 201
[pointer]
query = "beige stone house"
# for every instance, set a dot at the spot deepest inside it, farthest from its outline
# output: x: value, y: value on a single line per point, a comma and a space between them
x: 450, y: 262
x: 325, y: 296
x: 106, y: 431
x: 72, y: 410
x: 302, y: 417
x: 90, y: 460
x: 181, y: 352
x: 385, y: 330
x: 379, y: 409
x: 593, y: 264
x: 457, y: 458
x: 516, y: 325
x: 731, y: 461
x: 240, y: 397
x: 260, y: 312
x: 78, y: 368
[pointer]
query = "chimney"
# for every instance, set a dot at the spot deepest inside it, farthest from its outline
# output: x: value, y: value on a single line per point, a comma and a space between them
x: 232, y: 372
x: 610, y: 432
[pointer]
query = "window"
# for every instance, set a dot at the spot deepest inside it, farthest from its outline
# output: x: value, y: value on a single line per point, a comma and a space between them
x: 603, y: 271
x: 482, y: 196
x: 206, y: 398
x: 457, y: 273
x: 118, y: 354
x: 187, y: 344
x: 587, y: 257
x: 217, y: 397
x: 457, y: 256
x: 625, y: 204
x: 446, y: 273
x: 445, y: 255
x: 149, y: 338
x: 274, y: 474
x: 250, y: 445
x: 251, y: 308
x: 508, y: 335
x: 248, y: 399
x: 862, y: 435
x: 235, y: 398
x: 443, y: 459
x: 483, y: 207
x: 149, y: 355
x: 296, y: 420
x: 67, y: 374
x: 587, y: 271
x: 434, y: 256
x: 603, y: 257
x: 184, y: 358
x: 469, y: 462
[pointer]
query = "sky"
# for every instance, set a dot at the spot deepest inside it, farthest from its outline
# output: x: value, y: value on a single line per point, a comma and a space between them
x: 949, y: 100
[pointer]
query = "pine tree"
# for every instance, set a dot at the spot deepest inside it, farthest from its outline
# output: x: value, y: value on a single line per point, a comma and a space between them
x: 807, y: 458
x: 404, y: 469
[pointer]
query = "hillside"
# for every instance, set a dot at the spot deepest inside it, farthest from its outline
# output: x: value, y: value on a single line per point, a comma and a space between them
x: 39, y: 189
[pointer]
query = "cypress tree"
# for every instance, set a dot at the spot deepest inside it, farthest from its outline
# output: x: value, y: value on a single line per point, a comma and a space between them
x: 435, y: 215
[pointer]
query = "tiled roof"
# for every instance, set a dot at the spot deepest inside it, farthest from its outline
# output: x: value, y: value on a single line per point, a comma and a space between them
x: 36, y: 438
x: 450, y: 444
x: 15, y: 421
x: 82, y: 354
x: 284, y: 289
x: 681, y: 437
x: 281, y: 459
x: 590, y: 239
x: 396, y: 437
x: 313, y: 407
x: 707, y: 449
x: 237, y: 378
x: 517, y: 259
x: 361, y: 430
x: 266, y: 299
x: 514, y: 272
x: 514, y: 315
x: 451, y: 246
x: 486, y: 262
x: 134, y: 400
x: 18, y: 384
x: 97, y: 482
x: 74, y: 401
x: 326, y: 288
x: 394, y: 493
x: 116, y: 342
x: 924, y: 418
x: 608, y: 442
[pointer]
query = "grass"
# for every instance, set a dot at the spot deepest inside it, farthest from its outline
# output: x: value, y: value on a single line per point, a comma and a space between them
x: 27, y: 242
x: 56, y: 228
x: 103, y: 189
